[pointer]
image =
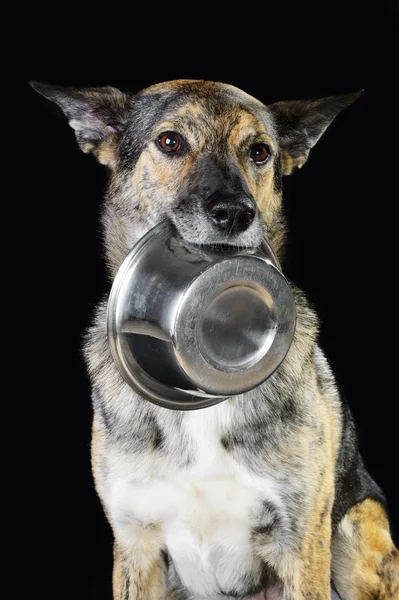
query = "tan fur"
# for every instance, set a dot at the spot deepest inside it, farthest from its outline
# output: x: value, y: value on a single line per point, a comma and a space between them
x: 316, y: 550
x: 245, y: 124
x: 119, y: 582
x: 146, y: 578
x: 181, y: 84
x: 367, y: 562
x: 289, y: 163
x: 106, y: 152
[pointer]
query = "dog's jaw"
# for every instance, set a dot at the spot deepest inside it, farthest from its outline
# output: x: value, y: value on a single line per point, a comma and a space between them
x: 248, y: 241
x: 200, y: 233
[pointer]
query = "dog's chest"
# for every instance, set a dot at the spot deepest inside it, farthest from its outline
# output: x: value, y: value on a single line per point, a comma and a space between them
x: 209, y: 537
x: 207, y: 511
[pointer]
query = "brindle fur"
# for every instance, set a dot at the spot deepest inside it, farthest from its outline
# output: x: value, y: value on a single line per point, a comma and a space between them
x: 295, y: 426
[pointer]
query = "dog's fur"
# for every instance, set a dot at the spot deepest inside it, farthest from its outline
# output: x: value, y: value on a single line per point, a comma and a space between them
x: 264, y: 494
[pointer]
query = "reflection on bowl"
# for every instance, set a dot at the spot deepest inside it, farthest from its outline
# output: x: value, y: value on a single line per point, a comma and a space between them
x: 189, y: 327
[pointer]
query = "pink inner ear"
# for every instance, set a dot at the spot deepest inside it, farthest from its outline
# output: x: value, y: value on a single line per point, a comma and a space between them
x: 97, y: 124
x: 111, y: 128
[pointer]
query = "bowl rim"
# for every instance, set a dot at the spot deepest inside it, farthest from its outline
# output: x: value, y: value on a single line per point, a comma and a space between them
x: 159, y: 393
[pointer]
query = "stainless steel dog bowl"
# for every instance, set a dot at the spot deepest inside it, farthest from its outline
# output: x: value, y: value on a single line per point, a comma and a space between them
x: 189, y: 328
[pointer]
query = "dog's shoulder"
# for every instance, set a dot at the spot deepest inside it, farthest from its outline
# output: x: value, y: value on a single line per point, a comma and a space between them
x: 353, y: 482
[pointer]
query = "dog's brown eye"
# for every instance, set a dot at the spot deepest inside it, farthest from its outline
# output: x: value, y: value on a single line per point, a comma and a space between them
x: 169, y: 141
x: 259, y: 153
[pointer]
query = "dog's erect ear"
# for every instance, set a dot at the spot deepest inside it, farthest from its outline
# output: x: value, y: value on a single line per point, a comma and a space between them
x: 96, y: 114
x: 301, y: 123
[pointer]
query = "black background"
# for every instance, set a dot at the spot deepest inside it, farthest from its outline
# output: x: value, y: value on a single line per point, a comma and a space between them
x: 341, y: 210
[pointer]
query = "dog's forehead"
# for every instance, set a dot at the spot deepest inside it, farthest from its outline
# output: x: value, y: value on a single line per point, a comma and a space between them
x: 206, y: 101
x: 196, y: 88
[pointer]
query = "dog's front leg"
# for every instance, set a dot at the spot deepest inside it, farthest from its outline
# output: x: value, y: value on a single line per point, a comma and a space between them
x: 309, y: 572
x: 314, y: 564
x: 304, y: 568
x: 365, y: 561
x: 301, y: 557
x: 140, y: 570
x: 307, y: 577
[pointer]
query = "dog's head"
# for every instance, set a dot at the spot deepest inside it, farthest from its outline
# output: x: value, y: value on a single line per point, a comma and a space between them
x: 206, y: 156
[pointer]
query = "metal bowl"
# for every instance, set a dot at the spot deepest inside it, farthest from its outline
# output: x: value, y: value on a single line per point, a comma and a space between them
x: 191, y: 327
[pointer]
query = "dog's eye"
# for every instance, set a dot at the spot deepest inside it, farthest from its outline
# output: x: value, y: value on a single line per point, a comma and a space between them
x: 259, y: 153
x: 169, y: 141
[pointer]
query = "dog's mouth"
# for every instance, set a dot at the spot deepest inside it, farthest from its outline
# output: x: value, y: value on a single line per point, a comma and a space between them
x: 216, y: 251
x: 194, y: 252
x: 210, y: 250
x: 219, y: 248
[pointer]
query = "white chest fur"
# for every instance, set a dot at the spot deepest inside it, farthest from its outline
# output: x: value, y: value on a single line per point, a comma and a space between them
x: 206, y: 511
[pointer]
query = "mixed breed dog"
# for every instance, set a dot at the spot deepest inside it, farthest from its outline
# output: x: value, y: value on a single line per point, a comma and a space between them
x: 264, y: 495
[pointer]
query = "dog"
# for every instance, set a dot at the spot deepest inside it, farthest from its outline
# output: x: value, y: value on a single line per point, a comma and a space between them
x: 264, y: 495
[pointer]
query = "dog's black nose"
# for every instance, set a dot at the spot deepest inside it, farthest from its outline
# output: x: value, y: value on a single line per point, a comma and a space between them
x: 231, y: 214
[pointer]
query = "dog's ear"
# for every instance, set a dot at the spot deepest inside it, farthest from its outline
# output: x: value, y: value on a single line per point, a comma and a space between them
x: 301, y: 123
x: 96, y: 114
